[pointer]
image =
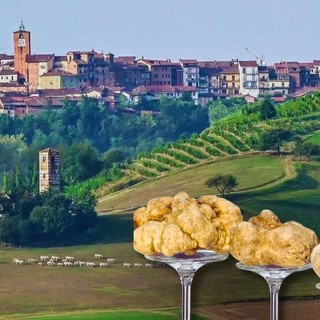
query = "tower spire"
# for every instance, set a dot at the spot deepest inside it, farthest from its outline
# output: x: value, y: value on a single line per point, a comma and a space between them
x: 21, y: 27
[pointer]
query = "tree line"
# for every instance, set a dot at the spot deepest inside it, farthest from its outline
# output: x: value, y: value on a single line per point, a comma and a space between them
x: 94, y: 141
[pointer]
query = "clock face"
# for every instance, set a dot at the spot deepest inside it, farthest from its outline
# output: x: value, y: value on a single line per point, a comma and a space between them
x: 21, y: 42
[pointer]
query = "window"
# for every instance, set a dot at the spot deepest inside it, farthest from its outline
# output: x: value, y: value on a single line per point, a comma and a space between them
x: 43, y: 176
x: 244, y: 70
x: 44, y: 158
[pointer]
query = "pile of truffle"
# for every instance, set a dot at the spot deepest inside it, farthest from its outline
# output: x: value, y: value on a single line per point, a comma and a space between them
x: 182, y: 224
x: 172, y: 225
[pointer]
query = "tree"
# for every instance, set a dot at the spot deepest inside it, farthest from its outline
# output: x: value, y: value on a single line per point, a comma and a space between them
x: 79, y: 162
x: 272, y: 140
x: 113, y: 156
x: 306, y: 149
x: 224, y: 183
x: 54, y: 218
x: 267, y: 110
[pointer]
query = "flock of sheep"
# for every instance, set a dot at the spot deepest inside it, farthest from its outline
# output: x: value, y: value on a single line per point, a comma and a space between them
x: 69, y: 261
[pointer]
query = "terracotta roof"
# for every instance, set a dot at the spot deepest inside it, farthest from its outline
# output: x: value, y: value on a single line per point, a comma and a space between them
x: 189, y: 62
x: 317, y: 62
x: 248, y: 64
x: 80, y: 62
x: 36, y: 58
x: 31, y: 101
x: 8, y: 72
x: 4, y: 56
x: 60, y: 58
x: 230, y: 69
x: 125, y: 59
x: 215, y: 64
x: 156, y: 62
x: 307, y: 65
x: 59, y: 92
x: 58, y: 73
x: 279, y: 99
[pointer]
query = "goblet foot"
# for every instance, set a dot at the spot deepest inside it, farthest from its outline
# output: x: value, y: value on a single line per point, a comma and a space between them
x: 187, y: 266
x: 274, y: 275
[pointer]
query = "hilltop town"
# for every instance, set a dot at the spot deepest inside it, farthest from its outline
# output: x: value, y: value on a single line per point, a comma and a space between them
x: 28, y: 81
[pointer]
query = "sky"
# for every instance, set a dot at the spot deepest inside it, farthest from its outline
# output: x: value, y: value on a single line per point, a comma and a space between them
x: 275, y: 30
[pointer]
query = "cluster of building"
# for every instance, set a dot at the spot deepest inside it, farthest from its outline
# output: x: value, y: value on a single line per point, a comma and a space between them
x: 30, y: 81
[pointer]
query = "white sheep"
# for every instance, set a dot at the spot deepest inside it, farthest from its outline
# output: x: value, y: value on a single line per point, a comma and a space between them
x: 55, y: 258
x: 44, y: 258
x: 90, y: 264
x: 69, y: 258
x: 127, y: 265
x: 19, y: 262
x: 32, y: 261
x: 104, y: 264
x: 137, y: 265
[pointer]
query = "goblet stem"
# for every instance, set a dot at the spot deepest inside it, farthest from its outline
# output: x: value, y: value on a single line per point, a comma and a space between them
x: 187, y: 266
x: 186, y: 281
x: 274, y: 287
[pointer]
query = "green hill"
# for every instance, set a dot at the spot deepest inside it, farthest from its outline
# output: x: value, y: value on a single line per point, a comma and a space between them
x: 265, y: 169
x: 238, y: 135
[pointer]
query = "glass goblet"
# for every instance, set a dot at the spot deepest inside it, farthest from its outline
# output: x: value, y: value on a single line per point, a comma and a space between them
x: 187, y: 266
x: 274, y: 275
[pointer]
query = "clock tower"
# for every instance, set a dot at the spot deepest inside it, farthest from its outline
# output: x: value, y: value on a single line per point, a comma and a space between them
x: 22, y: 47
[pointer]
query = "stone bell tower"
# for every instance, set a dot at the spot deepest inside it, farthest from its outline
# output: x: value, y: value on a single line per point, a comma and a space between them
x: 49, y: 169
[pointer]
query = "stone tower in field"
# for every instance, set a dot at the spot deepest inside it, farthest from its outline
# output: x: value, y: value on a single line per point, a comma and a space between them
x: 22, y: 48
x: 49, y: 169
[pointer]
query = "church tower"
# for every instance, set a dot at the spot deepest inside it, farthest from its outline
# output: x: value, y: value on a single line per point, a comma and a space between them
x: 22, y: 48
x: 49, y: 169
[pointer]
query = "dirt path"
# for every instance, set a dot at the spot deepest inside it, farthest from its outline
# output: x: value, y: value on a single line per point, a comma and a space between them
x: 288, y: 310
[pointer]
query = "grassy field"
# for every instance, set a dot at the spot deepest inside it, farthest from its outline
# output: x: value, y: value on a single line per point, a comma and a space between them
x: 33, y: 289
x: 110, y: 315
x: 315, y: 139
x: 251, y: 172
x: 296, y: 199
x: 52, y: 290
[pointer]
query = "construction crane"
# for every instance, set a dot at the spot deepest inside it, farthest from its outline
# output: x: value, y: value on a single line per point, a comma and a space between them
x: 260, y: 61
